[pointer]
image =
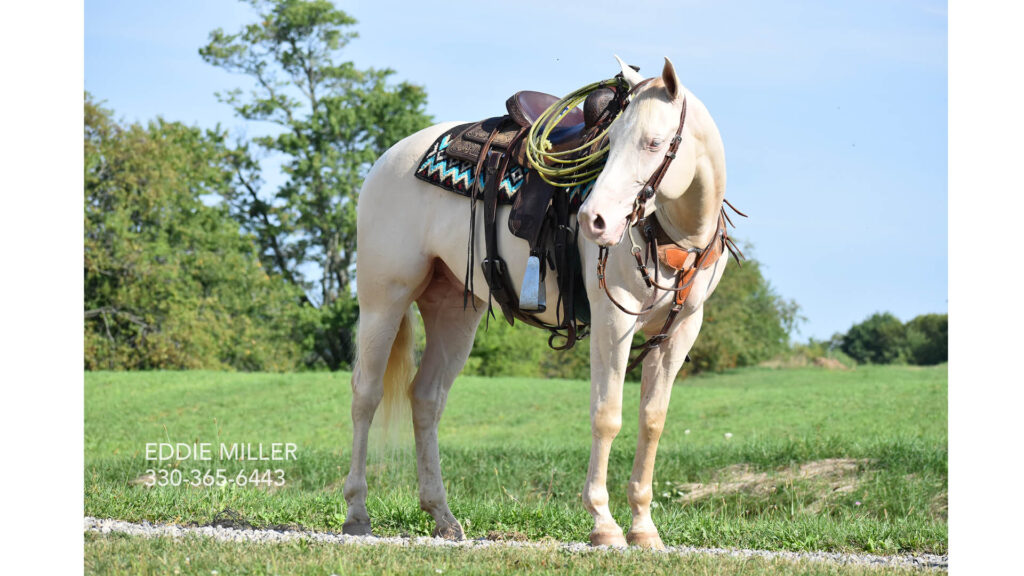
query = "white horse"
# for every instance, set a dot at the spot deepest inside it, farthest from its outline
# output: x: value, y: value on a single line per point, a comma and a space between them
x: 412, y: 235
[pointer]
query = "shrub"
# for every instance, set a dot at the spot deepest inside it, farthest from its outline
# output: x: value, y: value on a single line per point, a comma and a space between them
x: 745, y: 321
x: 814, y: 351
x: 928, y: 339
x: 881, y: 339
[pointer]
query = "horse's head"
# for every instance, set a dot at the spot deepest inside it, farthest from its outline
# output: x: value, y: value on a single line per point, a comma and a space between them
x: 638, y: 141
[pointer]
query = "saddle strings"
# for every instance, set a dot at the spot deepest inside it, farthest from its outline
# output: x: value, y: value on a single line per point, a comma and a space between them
x: 467, y: 284
x: 477, y: 186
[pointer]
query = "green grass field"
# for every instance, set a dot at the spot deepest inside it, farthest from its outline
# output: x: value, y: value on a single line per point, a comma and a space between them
x: 817, y: 460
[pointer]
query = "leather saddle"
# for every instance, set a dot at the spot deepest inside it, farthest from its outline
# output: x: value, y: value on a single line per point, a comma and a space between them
x: 540, y: 211
x: 524, y: 108
x: 506, y: 134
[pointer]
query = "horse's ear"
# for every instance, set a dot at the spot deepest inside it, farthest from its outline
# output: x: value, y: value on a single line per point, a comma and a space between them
x: 632, y: 76
x: 668, y: 76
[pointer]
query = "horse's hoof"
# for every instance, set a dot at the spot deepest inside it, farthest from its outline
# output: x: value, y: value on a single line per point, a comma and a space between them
x: 649, y: 540
x: 450, y: 531
x: 611, y: 538
x: 356, y: 528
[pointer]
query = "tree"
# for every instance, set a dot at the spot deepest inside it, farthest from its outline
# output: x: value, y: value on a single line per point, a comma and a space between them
x: 333, y: 120
x: 745, y: 321
x: 881, y: 339
x: 928, y: 339
x: 503, y: 350
x: 170, y: 283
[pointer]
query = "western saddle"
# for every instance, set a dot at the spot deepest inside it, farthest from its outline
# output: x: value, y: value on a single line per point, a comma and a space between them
x: 540, y: 211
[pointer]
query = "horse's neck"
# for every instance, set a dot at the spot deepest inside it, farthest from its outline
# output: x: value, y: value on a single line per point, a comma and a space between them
x: 691, y: 219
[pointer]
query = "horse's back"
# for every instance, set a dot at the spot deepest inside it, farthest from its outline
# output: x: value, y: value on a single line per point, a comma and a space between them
x: 399, y: 163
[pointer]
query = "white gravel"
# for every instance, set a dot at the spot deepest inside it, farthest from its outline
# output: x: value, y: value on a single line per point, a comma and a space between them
x: 106, y: 526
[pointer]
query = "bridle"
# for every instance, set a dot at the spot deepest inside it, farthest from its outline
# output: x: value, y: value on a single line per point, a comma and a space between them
x: 686, y: 268
x: 651, y: 186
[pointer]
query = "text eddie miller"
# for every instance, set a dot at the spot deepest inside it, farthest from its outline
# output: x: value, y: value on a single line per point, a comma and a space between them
x: 274, y: 451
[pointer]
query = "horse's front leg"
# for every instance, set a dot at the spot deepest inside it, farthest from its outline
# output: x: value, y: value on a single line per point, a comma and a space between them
x: 609, y: 353
x: 659, y: 372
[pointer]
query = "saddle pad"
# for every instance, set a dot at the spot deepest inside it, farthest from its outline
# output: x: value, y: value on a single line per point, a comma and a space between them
x: 444, y: 171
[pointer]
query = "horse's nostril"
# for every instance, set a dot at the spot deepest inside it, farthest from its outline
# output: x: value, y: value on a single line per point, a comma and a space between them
x: 599, y: 224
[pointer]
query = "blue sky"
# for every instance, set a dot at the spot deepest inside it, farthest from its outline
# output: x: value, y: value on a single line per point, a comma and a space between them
x: 834, y: 114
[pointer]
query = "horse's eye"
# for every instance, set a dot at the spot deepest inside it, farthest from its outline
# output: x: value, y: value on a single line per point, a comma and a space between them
x: 654, y: 143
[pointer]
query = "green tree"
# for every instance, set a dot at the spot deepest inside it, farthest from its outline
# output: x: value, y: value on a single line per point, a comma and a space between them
x: 333, y: 120
x: 503, y: 350
x: 928, y: 339
x: 169, y: 281
x: 880, y: 339
x: 745, y: 321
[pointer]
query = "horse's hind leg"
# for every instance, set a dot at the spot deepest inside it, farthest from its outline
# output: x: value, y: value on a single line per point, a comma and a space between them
x: 450, y: 330
x: 382, y: 315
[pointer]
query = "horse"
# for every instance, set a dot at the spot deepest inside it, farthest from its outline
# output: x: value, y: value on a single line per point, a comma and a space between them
x: 411, y: 237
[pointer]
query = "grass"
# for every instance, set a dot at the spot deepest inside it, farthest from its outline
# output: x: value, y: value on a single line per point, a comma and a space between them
x: 118, y: 554
x: 515, y: 451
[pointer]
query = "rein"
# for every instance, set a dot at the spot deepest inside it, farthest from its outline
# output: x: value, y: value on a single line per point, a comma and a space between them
x: 686, y: 266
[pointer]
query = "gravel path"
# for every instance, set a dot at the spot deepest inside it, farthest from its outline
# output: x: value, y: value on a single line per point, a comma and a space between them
x: 106, y: 526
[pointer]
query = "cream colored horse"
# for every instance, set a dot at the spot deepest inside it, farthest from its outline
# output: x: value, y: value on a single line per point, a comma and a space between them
x: 412, y: 236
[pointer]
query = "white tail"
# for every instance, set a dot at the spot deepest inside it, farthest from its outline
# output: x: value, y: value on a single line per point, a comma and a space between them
x: 395, y: 410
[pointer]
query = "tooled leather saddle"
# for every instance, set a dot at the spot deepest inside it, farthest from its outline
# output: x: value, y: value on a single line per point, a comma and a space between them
x: 487, y: 161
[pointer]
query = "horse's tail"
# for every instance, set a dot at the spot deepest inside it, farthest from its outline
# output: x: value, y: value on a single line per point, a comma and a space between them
x: 395, y: 408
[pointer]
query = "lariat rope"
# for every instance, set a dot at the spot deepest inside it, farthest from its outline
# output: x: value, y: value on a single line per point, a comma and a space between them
x: 567, y: 167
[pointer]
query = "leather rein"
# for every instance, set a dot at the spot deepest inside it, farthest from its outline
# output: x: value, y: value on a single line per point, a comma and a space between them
x: 686, y: 262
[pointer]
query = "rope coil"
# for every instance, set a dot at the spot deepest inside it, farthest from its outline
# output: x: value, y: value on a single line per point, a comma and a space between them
x: 567, y: 168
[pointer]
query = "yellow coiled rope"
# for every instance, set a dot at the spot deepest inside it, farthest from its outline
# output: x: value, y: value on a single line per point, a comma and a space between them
x: 568, y: 167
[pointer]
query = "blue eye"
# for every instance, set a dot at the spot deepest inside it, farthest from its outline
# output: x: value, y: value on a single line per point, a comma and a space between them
x: 655, y: 143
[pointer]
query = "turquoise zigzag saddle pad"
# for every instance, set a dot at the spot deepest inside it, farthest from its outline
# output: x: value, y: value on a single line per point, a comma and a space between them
x: 457, y: 175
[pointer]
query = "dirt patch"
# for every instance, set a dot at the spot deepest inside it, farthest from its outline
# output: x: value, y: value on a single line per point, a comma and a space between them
x: 940, y: 505
x: 501, y: 536
x: 801, y: 361
x: 146, y: 480
x: 829, y: 364
x: 228, y: 518
x: 837, y: 474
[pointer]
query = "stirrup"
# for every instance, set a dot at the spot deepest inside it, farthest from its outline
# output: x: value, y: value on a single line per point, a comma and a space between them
x: 532, y: 295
